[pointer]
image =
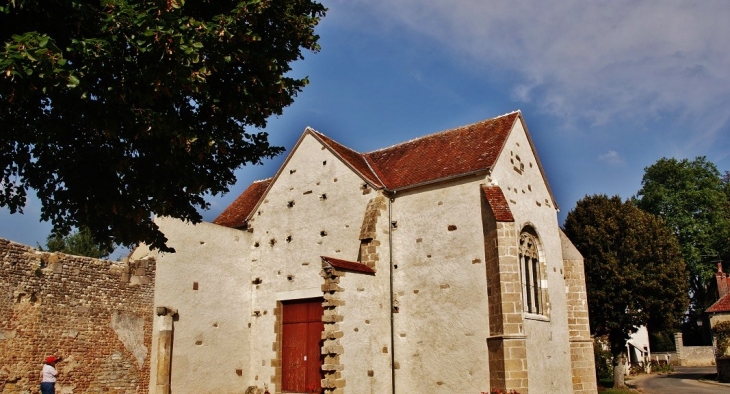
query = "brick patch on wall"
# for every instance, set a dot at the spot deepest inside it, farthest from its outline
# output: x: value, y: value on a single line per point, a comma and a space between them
x: 96, y: 314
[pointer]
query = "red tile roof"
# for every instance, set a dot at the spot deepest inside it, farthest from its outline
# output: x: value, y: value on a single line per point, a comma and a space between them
x: 238, y: 212
x: 498, y: 203
x: 722, y: 305
x: 429, y: 159
x: 443, y: 155
x: 348, y: 265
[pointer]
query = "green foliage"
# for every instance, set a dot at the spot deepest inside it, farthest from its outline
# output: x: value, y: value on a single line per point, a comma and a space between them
x: 694, y: 200
x: 663, y: 367
x: 116, y: 110
x: 602, y: 358
x: 79, y: 243
x: 635, y: 274
x: 722, y: 338
x: 617, y: 391
x: 662, y: 341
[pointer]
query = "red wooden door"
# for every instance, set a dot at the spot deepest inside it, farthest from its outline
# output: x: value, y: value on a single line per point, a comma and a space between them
x: 301, y: 342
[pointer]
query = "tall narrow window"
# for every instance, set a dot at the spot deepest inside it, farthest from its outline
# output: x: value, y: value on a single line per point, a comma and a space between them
x: 531, y: 276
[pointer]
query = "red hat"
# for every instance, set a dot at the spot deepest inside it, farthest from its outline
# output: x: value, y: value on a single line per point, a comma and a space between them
x: 51, y: 359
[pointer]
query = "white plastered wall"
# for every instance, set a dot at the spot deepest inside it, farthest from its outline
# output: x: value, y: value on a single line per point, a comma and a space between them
x: 548, y: 349
x: 366, y: 329
x: 210, y: 336
x: 291, y: 269
x: 440, y: 289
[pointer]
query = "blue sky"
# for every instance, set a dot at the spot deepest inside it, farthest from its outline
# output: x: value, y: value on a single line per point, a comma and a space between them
x: 606, y: 87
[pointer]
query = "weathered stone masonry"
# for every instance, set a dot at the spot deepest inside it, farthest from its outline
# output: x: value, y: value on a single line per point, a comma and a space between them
x: 581, y: 344
x: 333, y: 383
x: 368, y: 232
x: 506, y: 343
x: 96, y: 314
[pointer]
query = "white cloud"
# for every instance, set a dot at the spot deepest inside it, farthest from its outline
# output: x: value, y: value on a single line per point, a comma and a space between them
x: 596, y: 60
x: 612, y: 158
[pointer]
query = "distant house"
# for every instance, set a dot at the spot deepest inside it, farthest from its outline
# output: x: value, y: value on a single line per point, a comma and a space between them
x: 638, y: 348
x: 720, y: 312
x: 432, y: 266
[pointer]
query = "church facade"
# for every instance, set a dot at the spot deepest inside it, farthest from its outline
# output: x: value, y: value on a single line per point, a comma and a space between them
x: 432, y: 266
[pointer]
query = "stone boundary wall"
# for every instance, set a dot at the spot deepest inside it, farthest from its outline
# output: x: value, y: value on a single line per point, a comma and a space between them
x: 665, y: 357
x: 694, y: 356
x: 96, y: 314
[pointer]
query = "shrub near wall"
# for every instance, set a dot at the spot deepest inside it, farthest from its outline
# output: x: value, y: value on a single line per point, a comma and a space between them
x: 96, y: 314
x: 721, y: 332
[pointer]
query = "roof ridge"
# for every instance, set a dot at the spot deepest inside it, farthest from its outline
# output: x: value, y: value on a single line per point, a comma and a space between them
x: 441, y: 132
x: 331, y: 139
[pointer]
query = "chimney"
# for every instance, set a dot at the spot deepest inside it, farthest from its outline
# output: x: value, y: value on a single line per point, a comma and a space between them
x: 722, y: 281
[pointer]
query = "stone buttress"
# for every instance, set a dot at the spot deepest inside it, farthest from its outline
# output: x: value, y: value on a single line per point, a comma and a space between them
x: 582, y: 362
x: 506, y: 342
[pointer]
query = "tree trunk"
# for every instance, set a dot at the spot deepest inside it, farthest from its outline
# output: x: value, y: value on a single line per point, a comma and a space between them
x: 619, y: 372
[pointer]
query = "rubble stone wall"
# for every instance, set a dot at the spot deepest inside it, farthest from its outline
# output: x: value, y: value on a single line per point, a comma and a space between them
x: 96, y: 314
x: 693, y: 356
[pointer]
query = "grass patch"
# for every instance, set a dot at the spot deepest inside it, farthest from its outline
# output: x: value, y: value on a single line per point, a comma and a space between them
x: 616, y: 391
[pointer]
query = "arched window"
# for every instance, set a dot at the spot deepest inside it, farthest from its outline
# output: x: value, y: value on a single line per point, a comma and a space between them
x: 531, y: 275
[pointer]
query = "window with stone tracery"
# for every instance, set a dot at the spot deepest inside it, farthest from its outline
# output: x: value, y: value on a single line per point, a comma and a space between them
x: 531, y: 273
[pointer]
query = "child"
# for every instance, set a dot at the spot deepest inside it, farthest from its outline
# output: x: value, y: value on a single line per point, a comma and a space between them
x: 48, y: 375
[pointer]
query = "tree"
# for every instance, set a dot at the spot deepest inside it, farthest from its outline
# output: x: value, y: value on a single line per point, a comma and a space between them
x: 693, y: 199
x: 635, y: 274
x: 117, y: 110
x: 79, y: 243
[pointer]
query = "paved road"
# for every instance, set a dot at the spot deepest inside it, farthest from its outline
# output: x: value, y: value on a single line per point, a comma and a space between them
x: 683, y: 380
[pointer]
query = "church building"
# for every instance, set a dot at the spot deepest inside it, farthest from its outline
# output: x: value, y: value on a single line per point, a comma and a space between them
x: 436, y: 265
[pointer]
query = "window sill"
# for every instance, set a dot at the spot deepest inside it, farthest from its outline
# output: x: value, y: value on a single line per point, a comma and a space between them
x: 533, y: 316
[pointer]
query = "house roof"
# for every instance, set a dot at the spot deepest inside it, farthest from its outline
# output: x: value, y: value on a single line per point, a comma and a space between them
x: 429, y: 159
x: 496, y: 199
x: 348, y: 265
x: 722, y: 305
x: 238, y: 212
x: 448, y: 154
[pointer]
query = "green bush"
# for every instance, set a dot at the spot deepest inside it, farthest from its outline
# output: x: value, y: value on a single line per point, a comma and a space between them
x: 604, y: 369
x: 662, y: 341
x: 661, y: 367
x: 722, y: 336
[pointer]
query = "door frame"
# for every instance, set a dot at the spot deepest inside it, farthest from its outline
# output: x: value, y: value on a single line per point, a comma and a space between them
x: 279, y: 330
